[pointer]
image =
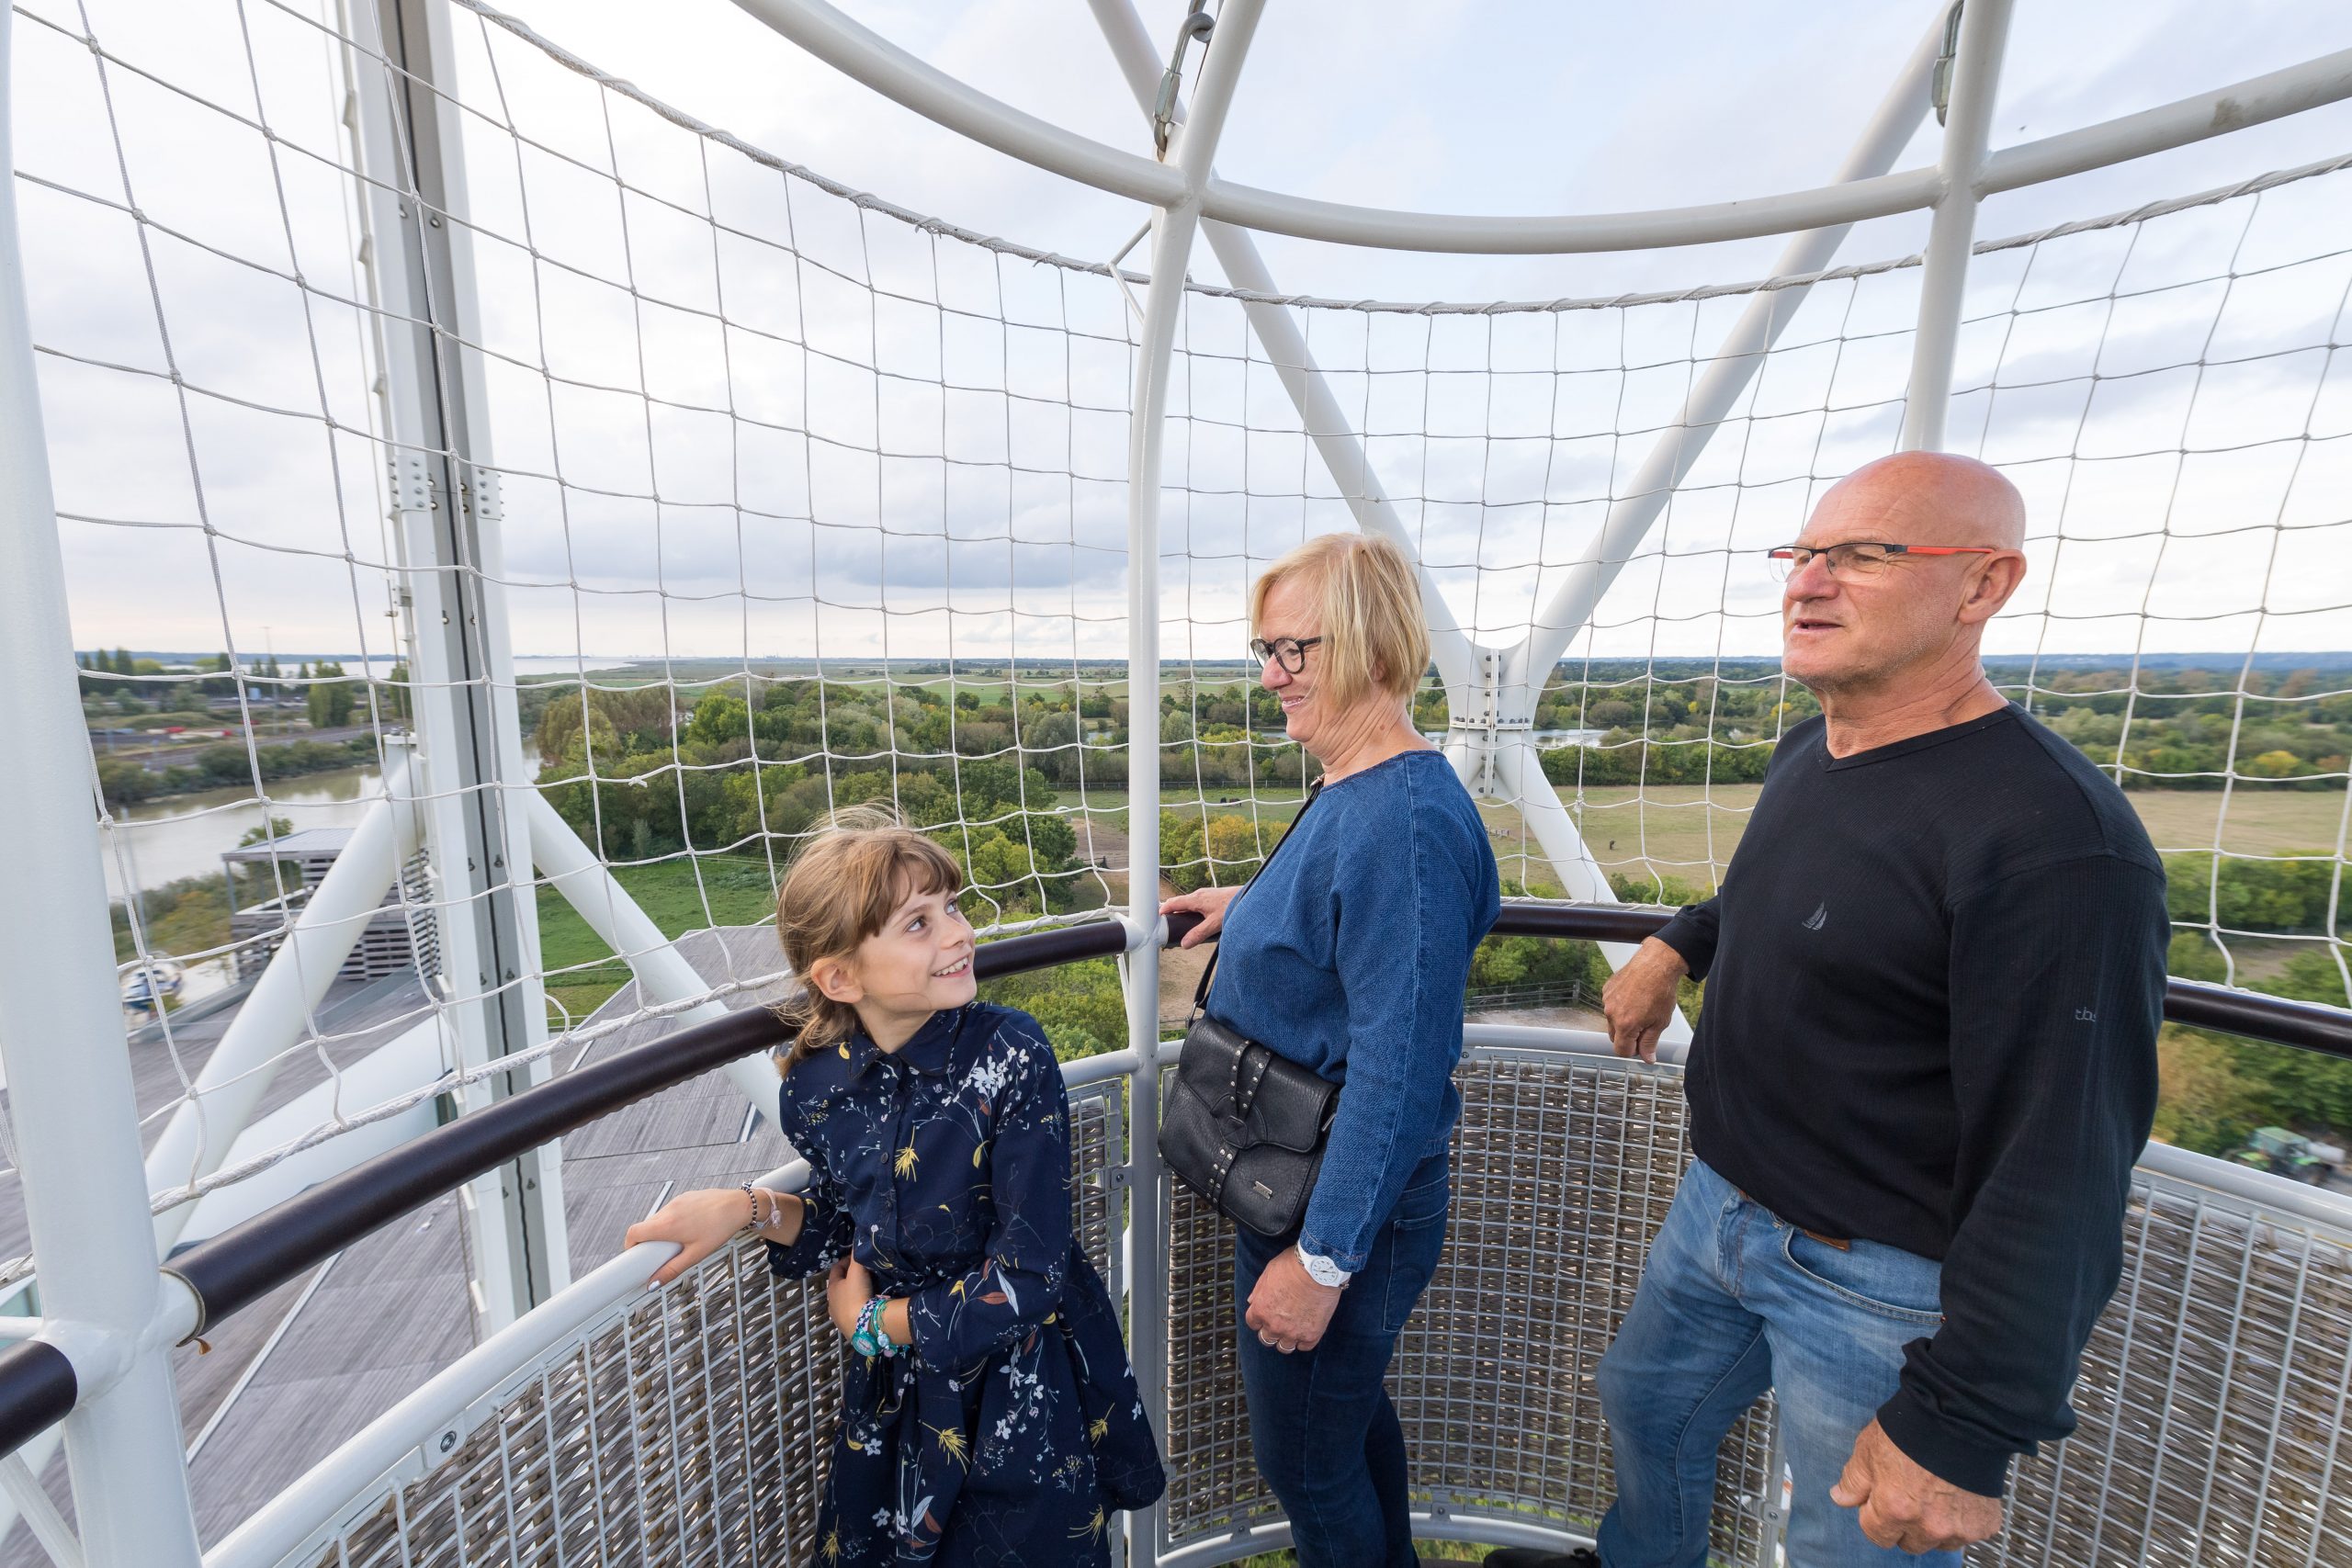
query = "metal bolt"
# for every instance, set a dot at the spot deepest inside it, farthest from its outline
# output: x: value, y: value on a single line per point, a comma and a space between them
x: 448, y: 1441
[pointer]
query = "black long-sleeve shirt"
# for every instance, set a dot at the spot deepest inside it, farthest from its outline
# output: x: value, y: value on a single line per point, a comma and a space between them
x: 1935, y: 972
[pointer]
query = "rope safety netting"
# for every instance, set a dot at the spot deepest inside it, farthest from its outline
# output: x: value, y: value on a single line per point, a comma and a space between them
x: 803, y: 500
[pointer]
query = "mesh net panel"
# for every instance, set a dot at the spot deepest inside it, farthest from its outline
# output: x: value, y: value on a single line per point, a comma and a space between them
x: 802, y: 505
x: 802, y: 500
x: 805, y: 502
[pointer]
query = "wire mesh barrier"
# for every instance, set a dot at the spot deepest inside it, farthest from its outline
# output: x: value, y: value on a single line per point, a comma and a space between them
x: 2212, y: 1397
x: 694, y: 1429
x: 1563, y: 1171
x: 692, y: 1426
x: 2164, y: 385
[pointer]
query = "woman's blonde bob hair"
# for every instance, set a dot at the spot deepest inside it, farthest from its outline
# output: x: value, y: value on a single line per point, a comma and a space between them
x: 1368, y: 613
x: 842, y: 888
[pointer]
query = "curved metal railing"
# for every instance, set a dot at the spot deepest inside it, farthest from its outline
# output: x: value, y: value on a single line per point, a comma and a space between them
x: 689, y: 1425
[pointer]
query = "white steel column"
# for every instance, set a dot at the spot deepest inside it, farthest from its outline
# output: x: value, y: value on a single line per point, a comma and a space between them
x: 62, y: 1037
x: 1943, y: 287
x: 1325, y: 424
x: 661, y: 971
x: 322, y: 934
x: 445, y: 502
x: 1195, y: 145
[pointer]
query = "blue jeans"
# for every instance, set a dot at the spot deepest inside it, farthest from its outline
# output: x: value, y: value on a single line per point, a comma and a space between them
x: 1732, y: 1302
x: 1321, y: 1428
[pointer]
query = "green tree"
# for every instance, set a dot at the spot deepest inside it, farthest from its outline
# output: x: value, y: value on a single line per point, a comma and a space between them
x: 330, y: 699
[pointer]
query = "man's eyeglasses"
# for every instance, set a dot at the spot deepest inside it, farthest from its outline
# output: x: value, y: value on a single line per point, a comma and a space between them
x: 1290, y: 652
x: 1858, y: 560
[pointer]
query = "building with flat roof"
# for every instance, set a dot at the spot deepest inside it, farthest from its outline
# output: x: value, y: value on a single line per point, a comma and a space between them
x: 400, y: 936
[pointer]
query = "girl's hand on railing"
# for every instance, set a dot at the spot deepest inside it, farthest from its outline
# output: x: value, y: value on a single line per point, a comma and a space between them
x: 1209, y: 904
x: 700, y: 1222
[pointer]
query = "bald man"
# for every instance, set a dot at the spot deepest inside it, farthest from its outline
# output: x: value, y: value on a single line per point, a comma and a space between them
x: 1925, y: 1068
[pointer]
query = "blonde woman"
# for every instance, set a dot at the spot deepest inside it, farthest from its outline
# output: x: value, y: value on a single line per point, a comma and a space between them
x: 1348, y: 955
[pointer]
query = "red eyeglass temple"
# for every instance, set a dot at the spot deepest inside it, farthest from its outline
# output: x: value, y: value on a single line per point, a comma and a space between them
x: 1784, y: 552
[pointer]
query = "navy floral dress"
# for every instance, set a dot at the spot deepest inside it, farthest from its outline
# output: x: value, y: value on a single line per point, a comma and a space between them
x: 1012, y: 1430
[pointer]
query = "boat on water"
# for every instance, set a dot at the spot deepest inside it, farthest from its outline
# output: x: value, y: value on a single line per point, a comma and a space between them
x: 146, y: 988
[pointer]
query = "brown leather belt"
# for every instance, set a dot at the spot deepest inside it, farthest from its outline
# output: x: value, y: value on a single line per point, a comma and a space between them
x: 1825, y: 1240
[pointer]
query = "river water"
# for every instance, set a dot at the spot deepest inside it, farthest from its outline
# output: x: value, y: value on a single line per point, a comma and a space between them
x: 185, y: 835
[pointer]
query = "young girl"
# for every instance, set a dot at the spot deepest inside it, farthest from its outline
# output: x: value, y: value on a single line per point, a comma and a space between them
x: 988, y: 1411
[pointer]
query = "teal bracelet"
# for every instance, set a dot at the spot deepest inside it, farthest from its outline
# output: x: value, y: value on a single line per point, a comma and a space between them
x: 869, y: 1336
x: 862, y: 1338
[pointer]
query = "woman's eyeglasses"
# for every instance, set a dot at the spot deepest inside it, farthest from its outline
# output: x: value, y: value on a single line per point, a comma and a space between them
x: 1290, y: 652
x: 1859, y: 561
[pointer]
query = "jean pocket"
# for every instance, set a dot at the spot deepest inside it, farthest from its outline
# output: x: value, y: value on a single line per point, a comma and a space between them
x: 1876, y: 1278
x: 1423, y: 1206
x: 1416, y: 1240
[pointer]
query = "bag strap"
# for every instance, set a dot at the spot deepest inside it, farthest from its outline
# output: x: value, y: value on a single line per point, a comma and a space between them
x: 1208, y: 970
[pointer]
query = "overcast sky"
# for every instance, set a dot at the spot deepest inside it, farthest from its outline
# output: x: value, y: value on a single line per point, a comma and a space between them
x: 957, y: 400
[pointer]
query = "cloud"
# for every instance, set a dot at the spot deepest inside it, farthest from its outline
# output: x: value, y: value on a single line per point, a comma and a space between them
x: 735, y: 411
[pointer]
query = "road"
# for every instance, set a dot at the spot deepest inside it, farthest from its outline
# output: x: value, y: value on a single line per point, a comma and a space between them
x: 158, y: 757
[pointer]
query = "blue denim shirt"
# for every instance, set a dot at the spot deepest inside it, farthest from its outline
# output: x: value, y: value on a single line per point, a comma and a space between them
x: 1349, y: 955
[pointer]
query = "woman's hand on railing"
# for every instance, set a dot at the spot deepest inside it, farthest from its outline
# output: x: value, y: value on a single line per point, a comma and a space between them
x: 1209, y: 904
x: 704, y: 1221
x: 1639, y: 998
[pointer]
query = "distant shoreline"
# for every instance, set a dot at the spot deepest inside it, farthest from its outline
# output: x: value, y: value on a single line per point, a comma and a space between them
x: 554, y: 665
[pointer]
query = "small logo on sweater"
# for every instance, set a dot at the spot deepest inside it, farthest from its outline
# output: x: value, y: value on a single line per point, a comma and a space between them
x: 1818, y: 918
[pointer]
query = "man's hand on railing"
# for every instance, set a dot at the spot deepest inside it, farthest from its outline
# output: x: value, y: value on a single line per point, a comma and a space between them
x: 704, y: 1221
x: 1639, y: 998
x: 1209, y: 904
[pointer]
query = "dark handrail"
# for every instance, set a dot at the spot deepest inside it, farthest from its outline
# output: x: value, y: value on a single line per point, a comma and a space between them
x: 38, y: 1390
x: 247, y: 1261
x: 2308, y: 1026
x: 234, y: 1268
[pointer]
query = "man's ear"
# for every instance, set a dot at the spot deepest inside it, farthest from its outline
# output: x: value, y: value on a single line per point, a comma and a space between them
x: 1990, y: 588
x: 836, y: 982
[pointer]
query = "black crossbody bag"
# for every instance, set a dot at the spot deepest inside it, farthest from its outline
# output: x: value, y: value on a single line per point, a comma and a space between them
x: 1243, y: 1127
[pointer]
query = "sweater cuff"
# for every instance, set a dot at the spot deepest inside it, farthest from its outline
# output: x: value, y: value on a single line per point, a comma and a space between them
x: 1928, y: 1442
x: 1688, y: 935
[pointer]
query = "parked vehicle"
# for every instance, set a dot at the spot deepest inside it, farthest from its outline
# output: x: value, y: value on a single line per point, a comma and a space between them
x: 146, y: 988
x: 2284, y: 1153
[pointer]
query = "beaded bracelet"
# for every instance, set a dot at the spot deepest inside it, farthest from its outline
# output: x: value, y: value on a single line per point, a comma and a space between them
x: 870, y: 1337
x: 774, y: 1206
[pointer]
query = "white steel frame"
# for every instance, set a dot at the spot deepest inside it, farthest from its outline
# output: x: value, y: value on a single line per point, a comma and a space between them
x: 61, y: 1034
x: 446, y: 522
x: 86, y: 1185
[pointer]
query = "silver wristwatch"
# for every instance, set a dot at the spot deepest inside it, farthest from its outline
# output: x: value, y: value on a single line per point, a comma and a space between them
x: 1322, y: 1270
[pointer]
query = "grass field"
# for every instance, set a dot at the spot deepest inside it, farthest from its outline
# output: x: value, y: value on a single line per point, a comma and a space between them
x: 1679, y: 832
x: 678, y: 895
x: 1687, y: 831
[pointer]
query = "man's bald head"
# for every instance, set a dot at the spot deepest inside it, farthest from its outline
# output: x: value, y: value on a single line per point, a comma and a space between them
x: 1923, y: 498
x: 1890, y: 624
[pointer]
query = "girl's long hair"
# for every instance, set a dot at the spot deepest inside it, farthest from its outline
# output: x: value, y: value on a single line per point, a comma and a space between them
x: 842, y: 888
